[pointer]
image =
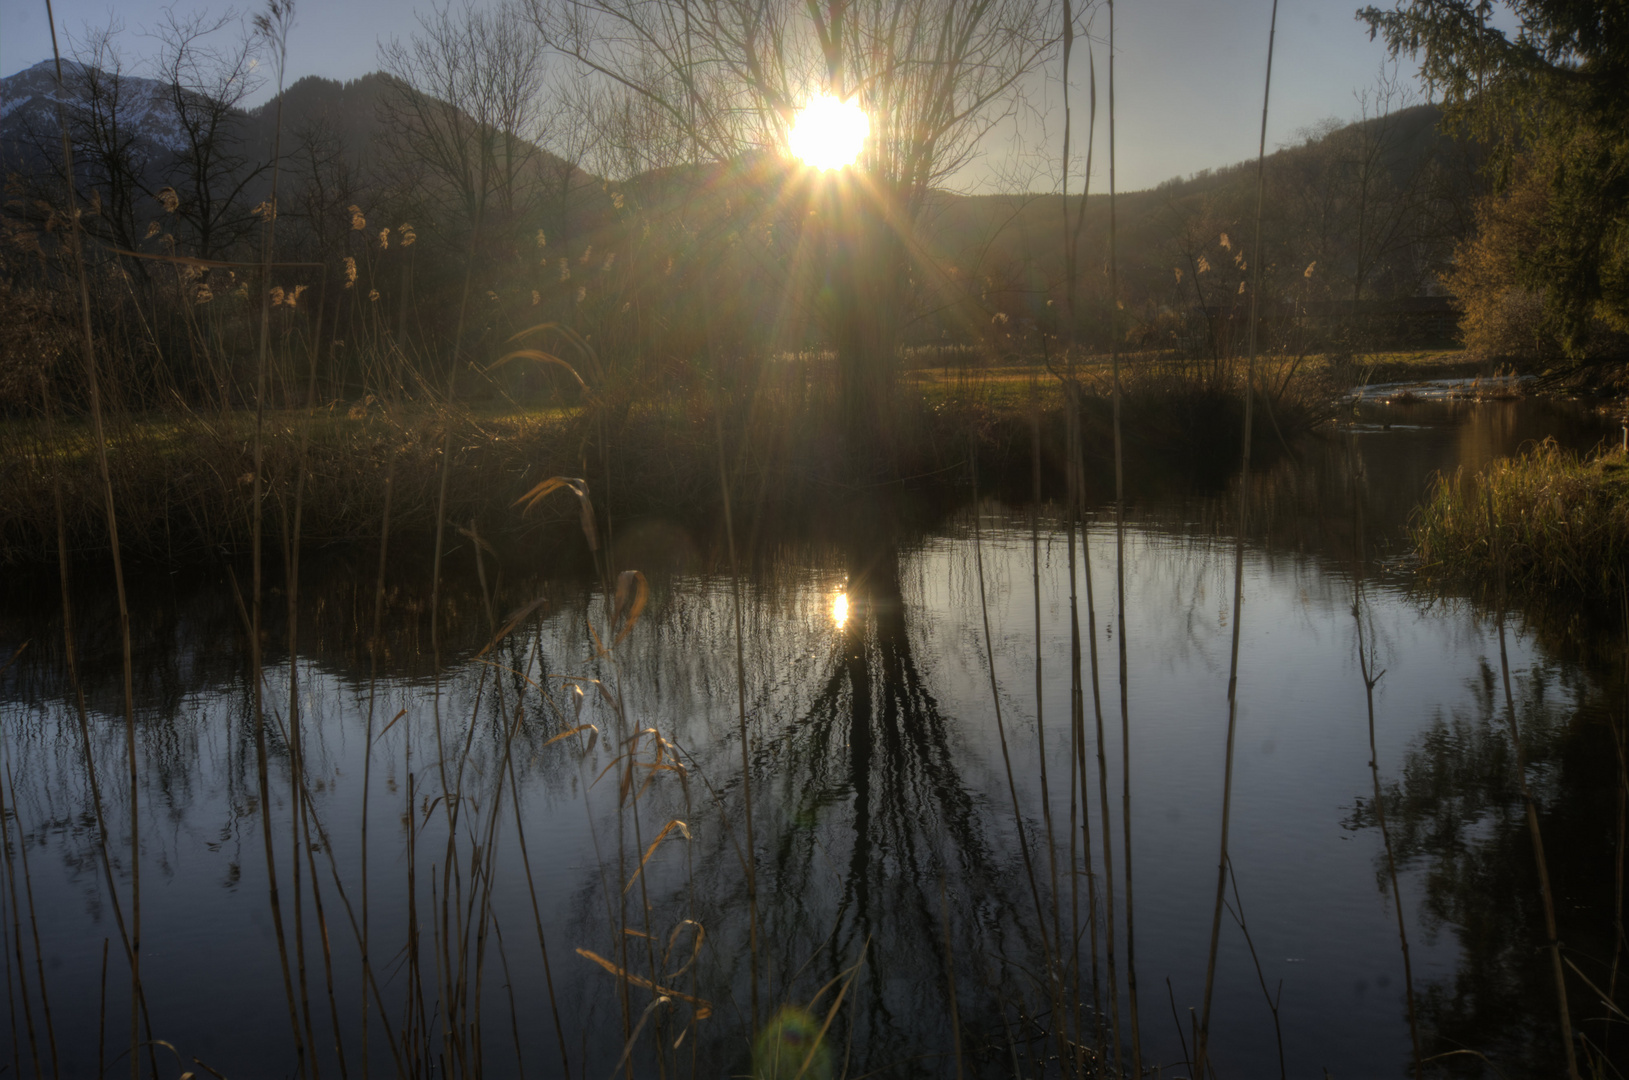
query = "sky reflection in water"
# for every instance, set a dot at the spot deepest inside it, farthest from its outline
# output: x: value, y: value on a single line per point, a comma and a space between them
x: 877, y: 775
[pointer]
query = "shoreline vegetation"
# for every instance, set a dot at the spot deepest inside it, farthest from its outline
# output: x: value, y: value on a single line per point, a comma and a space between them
x: 1545, y: 522
x: 181, y: 477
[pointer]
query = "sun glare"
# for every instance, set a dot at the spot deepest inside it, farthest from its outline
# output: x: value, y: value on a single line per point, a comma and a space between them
x: 839, y: 609
x: 829, y: 133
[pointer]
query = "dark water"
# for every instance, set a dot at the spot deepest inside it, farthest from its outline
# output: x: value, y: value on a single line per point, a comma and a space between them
x: 883, y: 825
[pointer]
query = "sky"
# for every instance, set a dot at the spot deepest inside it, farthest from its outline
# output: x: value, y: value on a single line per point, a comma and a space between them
x: 1188, y: 73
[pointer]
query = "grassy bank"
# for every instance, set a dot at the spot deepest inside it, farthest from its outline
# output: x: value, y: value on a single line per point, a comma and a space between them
x: 1559, y: 522
x: 182, y: 480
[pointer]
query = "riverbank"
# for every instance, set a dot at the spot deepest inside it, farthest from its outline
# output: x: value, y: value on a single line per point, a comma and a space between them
x: 182, y: 481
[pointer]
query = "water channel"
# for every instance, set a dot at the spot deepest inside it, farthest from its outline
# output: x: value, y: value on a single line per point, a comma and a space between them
x: 886, y: 851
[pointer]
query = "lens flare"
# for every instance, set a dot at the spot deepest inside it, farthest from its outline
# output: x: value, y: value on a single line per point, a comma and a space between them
x: 839, y: 610
x: 828, y: 133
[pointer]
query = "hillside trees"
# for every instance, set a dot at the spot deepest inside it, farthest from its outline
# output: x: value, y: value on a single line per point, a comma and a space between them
x: 463, y: 114
x: 464, y: 106
x: 1551, y: 100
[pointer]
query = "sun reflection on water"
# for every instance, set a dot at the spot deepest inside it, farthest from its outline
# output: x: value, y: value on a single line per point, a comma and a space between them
x: 839, y: 610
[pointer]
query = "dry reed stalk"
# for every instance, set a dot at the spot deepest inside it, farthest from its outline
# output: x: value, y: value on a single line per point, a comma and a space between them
x: 283, y: 10
x: 741, y: 710
x: 1076, y: 468
x: 93, y: 391
x: 1371, y: 679
x: 1120, y: 588
x: 327, y: 846
x: 482, y: 913
x: 537, y: 920
x: 1040, y: 711
x: 1201, y: 1040
x: 509, y: 986
x: 1237, y: 911
x: 302, y: 811
x: 70, y: 654
x: 11, y: 996
x: 101, y: 1021
x: 415, y: 1027
x: 1620, y: 744
x: 449, y: 793
x: 16, y: 948
x: 1048, y: 955
x: 296, y: 747
x: 950, y: 980
x: 1564, y: 1015
x: 34, y: 927
x: 1080, y: 813
x: 1103, y: 802
x: 367, y: 760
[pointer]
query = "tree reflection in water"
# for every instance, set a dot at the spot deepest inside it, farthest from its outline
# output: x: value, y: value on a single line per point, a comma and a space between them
x: 1458, y: 821
x: 862, y: 810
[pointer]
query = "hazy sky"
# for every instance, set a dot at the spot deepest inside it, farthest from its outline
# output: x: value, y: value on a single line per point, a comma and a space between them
x: 1188, y: 73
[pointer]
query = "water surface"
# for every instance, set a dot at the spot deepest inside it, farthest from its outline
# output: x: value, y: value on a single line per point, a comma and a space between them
x: 885, y: 842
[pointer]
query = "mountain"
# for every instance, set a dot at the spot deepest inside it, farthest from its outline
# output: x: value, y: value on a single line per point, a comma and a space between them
x: 30, y: 100
x: 348, y: 112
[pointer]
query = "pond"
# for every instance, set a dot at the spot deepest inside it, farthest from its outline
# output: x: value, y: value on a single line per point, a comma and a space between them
x: 532, y: 834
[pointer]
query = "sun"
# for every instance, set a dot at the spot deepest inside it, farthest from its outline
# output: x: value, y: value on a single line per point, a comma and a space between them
x: 829, y: 133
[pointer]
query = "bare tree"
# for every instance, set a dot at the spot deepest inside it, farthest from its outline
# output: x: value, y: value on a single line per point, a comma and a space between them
x: 208, y: 79
x: 108, y: 151
x: 464, y: 103
x: 580, y: 125
x: 932, y: 75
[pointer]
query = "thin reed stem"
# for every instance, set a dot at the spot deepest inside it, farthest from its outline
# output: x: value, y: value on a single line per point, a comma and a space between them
x: 16, y: 949
x: 1563, y: 1013
x: 950, y: 980
x: 367, y: 759
x: 1202, y: 1038
x: 93, y: 392
x: 34, y: 932
x: 1077, y: 736
x: 71, y: 656
x: 256, y: 673
x: 1371, y: 679
x: 741, y: 714
x: 1040, y: 711
x: 1120, y: 585
x: 1006, y: 759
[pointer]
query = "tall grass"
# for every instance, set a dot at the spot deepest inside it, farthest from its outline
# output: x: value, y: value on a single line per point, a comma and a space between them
x: 1561, y: 521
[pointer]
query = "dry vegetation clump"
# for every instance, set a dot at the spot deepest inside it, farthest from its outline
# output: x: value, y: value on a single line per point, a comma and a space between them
x: 1560, y: 522
x: 32, y: 338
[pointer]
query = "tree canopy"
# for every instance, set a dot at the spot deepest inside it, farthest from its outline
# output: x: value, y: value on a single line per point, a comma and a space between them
x: 1545, y: 84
